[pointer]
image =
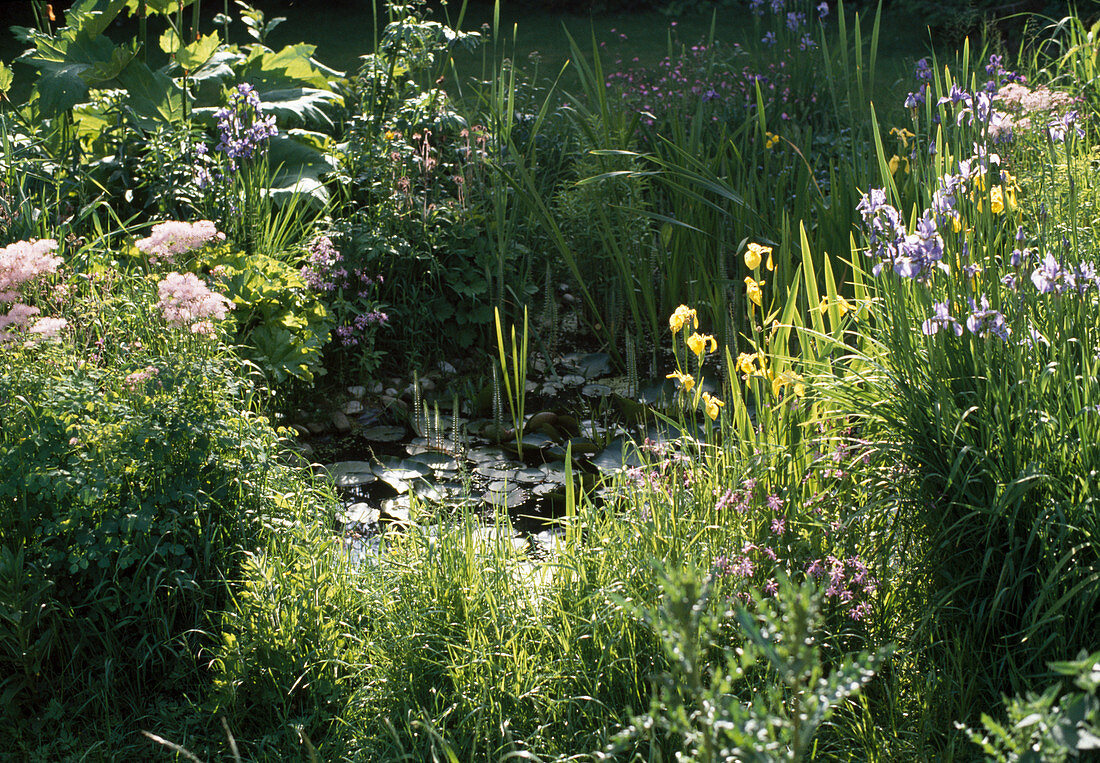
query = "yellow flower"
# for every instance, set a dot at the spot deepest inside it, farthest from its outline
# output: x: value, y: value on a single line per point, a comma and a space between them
x: 755, y: 253
x: 997, y: 200
x: 843, y: 305
x: 681, y: 315
x: 698, y: 343
x: 746, y: 363
x: 903, y: 135
x: 956, y: 223
x: 896, y: 162
x: 752, y: 290
x: 712, y: 405
x: 789, y: 377
x: 772, y: 140
x: 687, y: 382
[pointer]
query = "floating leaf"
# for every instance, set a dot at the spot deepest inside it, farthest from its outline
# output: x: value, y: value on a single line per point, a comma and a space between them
x: 383, y: 433
x: 618, y: 455
x: 351, y: 473
x: 505, y: 499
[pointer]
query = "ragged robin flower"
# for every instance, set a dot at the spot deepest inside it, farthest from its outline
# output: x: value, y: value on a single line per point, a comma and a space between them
x: 698, y: 343
x: 681, y: 316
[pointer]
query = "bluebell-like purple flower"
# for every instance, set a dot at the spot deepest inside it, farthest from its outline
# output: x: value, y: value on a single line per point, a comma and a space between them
x: 777, y: 6
x: 923, y: 71
x: 242, y: 126
x: 822, y: 9
x: 1017, y: 257
x: 984, y: 321
x: 941, y: 320
x: 768, y: 39
x: 913, y: 100
x: 807, y: 42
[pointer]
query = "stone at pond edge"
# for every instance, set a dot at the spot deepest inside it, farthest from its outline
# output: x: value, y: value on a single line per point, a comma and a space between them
x: 340, y: 422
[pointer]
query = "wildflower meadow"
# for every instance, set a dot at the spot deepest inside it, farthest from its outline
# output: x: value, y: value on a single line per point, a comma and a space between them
x: 719, y: 384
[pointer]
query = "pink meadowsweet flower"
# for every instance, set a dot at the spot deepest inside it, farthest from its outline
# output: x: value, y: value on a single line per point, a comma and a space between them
x: 140, y: 376
x: 185, y: 299
x: 172, y: 238
x: 24, y: 261
x: 48, y: 328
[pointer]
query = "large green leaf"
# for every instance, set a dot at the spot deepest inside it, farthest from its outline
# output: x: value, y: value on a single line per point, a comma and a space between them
x: 290, y: 67
x: 5, y: 78
x: 298, y: 167
x: 61, y: 88
x: 154, y: 96
x: 300, y: 106
x: 199, y: 52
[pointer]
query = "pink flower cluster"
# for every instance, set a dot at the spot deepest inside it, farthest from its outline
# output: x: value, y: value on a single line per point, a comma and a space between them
x: 24, y: 261
x: 185, y: 299
x: 21, y: 263
x: 173, y: 238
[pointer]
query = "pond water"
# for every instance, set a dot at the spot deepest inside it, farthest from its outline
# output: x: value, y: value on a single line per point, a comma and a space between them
x: 392, y: 468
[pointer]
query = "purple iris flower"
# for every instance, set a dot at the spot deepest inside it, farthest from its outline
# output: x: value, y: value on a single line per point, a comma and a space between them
x: 941, y: 320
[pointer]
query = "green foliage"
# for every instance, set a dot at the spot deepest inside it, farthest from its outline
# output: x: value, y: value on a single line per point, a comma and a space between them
x: 1053, y: 726
x: 132, y: 473
x: 282, y: 325
x: 763, y: 701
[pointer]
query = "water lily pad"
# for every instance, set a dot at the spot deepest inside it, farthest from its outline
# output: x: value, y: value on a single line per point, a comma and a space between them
x: 618, y: 455
x: 487, y: 454
x: 537, y: 440
x: 531, y: 475
x: 553, y: 473
x: 351, y: 473
x: 502, y: 499
x: 395, y: 510
x: 595, y: 390
x: 500, y: 470
x: 435, y: 460
x: 383, y: 433
x: 595, y: 365
x: 546, y: 488
x: 359, y: 514
x: 573, y: 380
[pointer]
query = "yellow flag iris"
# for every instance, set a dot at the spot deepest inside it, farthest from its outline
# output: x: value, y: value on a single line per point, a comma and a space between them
x: 698, y: 343
x: 681, y: 316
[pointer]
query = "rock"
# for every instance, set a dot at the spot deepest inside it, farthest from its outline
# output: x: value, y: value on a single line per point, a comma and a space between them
x: 447, y: 368
x: 340, y: 422
x: 357, y: 391
x: 353, y: 407
x: 317, y: 427
x: 376, y: 388
x: 427, y: 385
x: 300, y: 430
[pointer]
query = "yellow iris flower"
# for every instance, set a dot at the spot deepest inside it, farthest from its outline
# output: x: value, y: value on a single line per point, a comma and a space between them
x: 698, y: 343
x: 784, y: 378
x: 752, y: 290
x: 755, y: 253
x: 681, y: 316
x: 687, y: 381
x: 712, y: 404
